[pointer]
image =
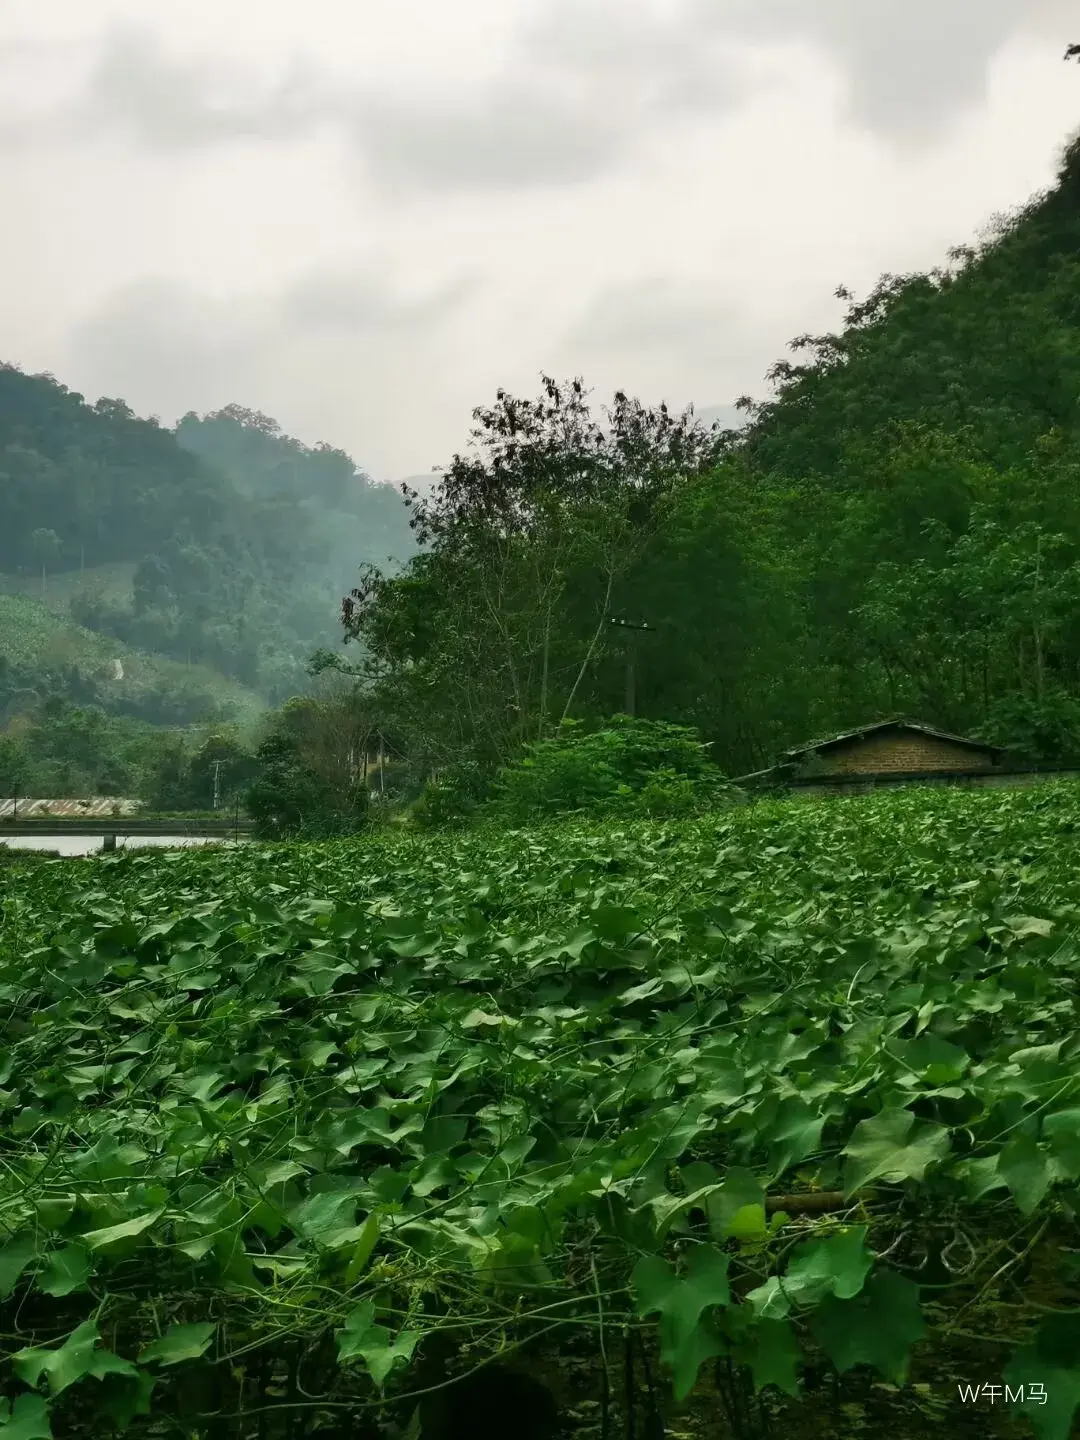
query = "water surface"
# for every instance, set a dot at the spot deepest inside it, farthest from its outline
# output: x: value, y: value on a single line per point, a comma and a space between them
x: 89, y: 844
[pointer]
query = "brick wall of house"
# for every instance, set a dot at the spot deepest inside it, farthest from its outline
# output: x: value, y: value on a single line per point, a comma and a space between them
x: 991, y: 779
x: 902, y: 751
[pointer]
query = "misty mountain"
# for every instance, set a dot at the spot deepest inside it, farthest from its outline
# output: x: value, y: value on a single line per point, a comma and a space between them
x: 223, y: 543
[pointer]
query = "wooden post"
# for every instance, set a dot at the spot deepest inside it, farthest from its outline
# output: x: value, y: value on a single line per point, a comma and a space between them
x: 109, y: 842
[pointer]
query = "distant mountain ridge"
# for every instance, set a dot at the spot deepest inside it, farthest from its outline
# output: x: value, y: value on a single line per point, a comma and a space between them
x: 240, y: 539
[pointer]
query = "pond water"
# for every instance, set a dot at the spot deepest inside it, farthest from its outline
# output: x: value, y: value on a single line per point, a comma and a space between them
x: 89, y: 844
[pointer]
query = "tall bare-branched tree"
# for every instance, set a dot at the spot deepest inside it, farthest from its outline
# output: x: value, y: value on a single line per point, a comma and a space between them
x: 491, y: 632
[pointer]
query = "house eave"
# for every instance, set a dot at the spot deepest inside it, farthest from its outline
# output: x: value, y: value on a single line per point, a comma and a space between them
x: 896, y: 723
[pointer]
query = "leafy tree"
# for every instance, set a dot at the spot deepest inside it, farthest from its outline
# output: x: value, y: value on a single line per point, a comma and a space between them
x: 302, y: 786
x: 15, y: 765
x: 287, y: 796
x: 168, y: 788
x: 150, y: 585
x: 487, y: 637
x: 1043, y: 731
x: 219, y: 768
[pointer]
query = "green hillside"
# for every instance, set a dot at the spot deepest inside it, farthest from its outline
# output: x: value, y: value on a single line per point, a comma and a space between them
x: 223, y: 542
x: 35, y: 637
x: 209, y: 561
x: 82, y: 713
x: 114, y: 583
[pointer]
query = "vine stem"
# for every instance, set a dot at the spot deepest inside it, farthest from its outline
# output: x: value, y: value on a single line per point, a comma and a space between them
x: 605, y: 1420
x: 1015, y: 1260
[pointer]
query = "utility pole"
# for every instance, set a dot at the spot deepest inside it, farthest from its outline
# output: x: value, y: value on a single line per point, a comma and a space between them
x: 217, y: 783
x: 631, y: 648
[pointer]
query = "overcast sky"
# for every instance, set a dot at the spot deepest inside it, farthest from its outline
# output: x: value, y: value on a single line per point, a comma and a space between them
x: 362, y: 218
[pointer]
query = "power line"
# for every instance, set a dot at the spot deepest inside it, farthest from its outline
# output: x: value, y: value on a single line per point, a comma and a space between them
x: 628, y: 625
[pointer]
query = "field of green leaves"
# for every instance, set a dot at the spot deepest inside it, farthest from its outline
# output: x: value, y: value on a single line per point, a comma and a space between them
x: 767, y: 1123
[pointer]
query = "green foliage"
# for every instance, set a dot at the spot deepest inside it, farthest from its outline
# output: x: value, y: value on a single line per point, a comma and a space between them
x: 877, y: 1327
x: 1042, y: 731
x: 362, y: 1339
x: 502, y: 1061
x: 895, y: 530
x: 73, y: 752
x: 234, y: 541
x: 290, y: 795
x: 184, y: 780
x: 287, y: 796
x: 667, y: 794
x: 684, y: 1341
x: 450, y: 799
x: 1050, y: 1362
x: 624, y: 766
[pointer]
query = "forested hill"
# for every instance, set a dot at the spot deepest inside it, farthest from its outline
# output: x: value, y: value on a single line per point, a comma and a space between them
x: 921, y: 469
x: 897, y: 529
x: 987, y: 347
x: 339, y: 508
x: 223, y: 543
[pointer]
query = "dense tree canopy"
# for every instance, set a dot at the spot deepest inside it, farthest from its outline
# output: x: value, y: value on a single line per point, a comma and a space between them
x: 897, y: 528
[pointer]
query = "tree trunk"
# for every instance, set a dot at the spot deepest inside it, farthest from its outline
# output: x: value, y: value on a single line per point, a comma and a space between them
x: 544, y: 681
x: 1035, y: 626
x: 592, y: 645
x: 986, y: 676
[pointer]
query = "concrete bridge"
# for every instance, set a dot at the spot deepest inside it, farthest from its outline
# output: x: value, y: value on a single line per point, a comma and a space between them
x: 106, y: 815
x: 224, y: 828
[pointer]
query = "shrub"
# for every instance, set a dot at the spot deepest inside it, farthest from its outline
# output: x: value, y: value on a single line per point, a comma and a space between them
x: 451, y: 798
x: 668, y: 794
x: 626, y: 765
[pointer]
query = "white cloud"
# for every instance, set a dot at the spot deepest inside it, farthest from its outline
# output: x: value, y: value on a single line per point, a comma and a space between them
x: 173, y: 103
x: 362, y: 218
